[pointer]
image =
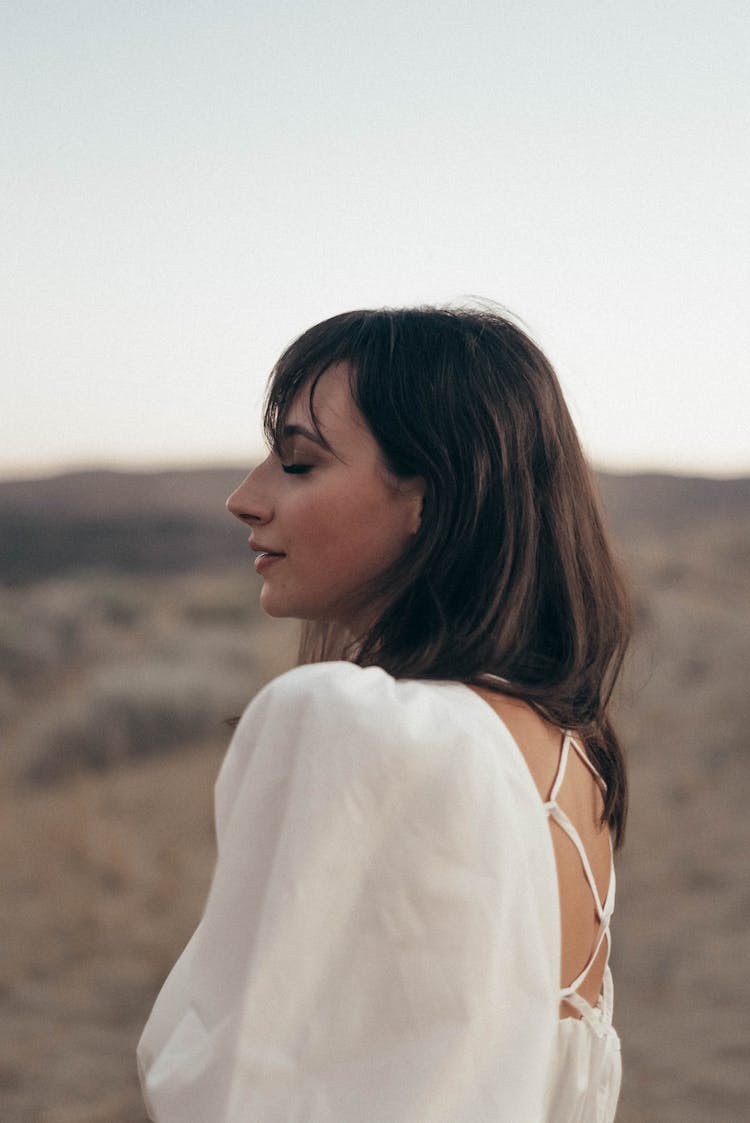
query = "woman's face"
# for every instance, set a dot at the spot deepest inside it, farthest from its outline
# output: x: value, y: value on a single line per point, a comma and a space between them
x: 325, y: 523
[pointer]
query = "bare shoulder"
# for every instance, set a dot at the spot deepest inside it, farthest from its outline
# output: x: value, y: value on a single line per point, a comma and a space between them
x: 538, y: 740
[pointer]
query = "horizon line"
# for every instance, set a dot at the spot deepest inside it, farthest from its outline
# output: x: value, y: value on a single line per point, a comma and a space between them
x: 19, y: 473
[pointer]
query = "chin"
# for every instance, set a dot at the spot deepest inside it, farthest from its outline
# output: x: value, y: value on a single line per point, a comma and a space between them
x: 281, y: 609
x: 278, y: 612
x: 316, y: 612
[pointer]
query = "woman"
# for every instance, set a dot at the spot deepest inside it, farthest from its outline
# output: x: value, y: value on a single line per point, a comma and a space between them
x: 409, y: 918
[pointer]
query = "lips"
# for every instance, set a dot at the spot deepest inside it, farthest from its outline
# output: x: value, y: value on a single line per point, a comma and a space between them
x: 264, y: 557
x: 263, y: 551
x: 265, y: 561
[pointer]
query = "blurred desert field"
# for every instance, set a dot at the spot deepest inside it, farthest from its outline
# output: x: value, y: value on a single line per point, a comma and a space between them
x: 129, y: 630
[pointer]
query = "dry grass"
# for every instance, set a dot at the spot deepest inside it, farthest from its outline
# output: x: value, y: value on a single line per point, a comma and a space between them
x: 105, y: 876
x: 683, y: 904
x: 113, y: 733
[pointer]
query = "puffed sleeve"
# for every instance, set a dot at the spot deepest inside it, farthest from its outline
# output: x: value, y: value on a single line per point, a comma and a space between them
x: 378, y: 944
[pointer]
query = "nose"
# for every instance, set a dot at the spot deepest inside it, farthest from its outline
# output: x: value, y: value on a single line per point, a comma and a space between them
x: 249, y: 503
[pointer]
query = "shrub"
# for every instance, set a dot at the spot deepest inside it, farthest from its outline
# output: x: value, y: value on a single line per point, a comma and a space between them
x: 136, y: 708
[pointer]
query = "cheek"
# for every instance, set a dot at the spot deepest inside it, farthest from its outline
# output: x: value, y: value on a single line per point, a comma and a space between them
x: 361, y: 538
x: 336, y: 529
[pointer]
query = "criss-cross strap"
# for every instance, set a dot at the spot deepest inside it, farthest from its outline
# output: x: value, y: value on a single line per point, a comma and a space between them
x: 567, y: 742
x: 603, y: 910
x: 598, y: 1017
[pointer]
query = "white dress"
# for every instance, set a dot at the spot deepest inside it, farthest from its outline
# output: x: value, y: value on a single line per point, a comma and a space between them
x: 381, y: 941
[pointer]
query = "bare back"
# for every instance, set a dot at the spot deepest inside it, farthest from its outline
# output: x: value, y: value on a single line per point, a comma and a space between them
x: 581, y: 799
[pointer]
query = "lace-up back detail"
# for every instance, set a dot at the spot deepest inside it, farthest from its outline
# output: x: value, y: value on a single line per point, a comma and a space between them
x: 586, y: 1082
x: 569, y: 994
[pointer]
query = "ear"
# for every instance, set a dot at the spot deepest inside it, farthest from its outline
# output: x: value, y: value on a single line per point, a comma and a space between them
x: 413, y: 491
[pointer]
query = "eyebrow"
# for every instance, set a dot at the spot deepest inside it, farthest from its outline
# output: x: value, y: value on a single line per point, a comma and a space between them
x: 301, y: 431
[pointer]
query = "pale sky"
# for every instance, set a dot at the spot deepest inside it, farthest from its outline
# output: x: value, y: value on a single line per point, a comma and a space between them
x: 189, y: 184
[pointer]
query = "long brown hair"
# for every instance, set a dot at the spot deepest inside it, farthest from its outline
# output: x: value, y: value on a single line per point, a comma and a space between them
x: 511, y: 573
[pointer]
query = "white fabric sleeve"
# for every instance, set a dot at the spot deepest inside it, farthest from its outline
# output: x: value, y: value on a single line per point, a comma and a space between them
x: 378, y: 945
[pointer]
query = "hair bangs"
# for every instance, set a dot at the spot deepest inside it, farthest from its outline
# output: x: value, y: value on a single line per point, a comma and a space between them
x: 340, y: 339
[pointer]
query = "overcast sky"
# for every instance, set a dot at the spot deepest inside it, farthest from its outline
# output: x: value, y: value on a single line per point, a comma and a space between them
x: 188, y: 185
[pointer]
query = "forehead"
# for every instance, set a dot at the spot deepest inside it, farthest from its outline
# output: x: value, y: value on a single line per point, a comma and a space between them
x: 326, y: 404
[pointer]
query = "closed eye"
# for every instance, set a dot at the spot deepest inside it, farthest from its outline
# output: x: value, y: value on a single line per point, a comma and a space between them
x: 296, y: 469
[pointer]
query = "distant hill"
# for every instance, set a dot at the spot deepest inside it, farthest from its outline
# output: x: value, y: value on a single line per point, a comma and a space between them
x: 198, y: 492
x: 175, y: 521
x: 133, y: 522
x: 653, y: 501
